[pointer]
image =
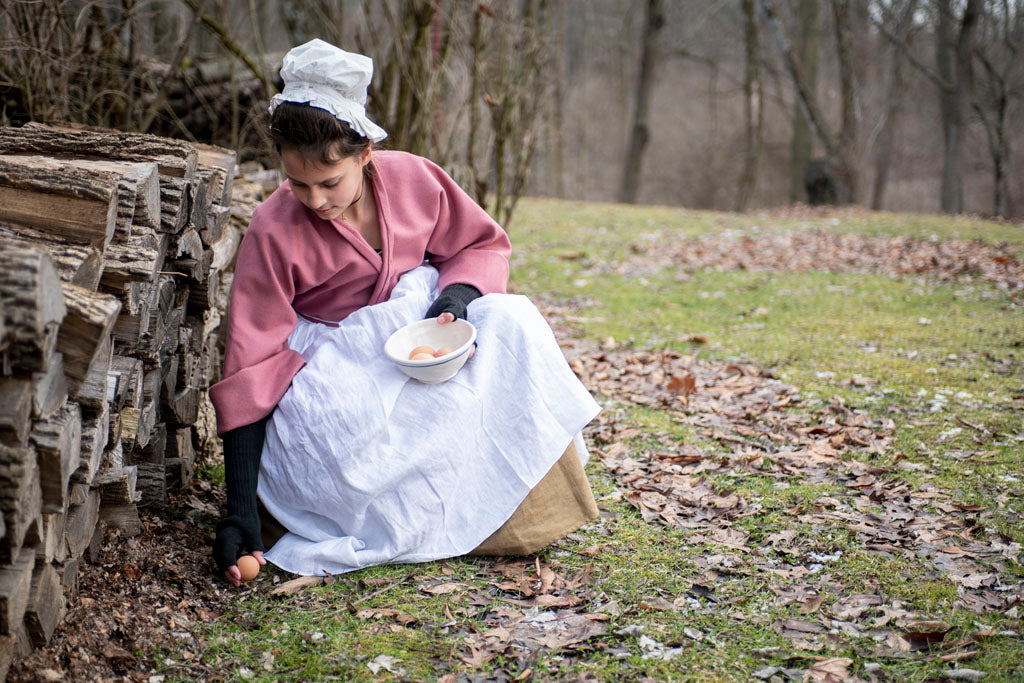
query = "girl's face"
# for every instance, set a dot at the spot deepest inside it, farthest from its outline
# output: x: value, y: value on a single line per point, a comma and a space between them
x: 327, y: 189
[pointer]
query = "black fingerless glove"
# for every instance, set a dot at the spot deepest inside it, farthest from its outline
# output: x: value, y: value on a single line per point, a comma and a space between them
x: 453, y: 299
x: 240, y: 530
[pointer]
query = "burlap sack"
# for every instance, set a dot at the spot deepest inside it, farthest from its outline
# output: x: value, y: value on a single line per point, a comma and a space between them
x: 560, y: 503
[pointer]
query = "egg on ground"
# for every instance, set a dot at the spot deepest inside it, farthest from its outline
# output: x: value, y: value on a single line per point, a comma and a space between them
x: 249, y: 566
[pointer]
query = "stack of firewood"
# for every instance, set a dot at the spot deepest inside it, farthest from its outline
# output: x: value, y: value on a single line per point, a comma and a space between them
x: 112, y: 250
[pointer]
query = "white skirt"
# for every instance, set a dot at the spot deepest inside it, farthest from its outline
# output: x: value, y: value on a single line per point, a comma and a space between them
x: 364, y: 466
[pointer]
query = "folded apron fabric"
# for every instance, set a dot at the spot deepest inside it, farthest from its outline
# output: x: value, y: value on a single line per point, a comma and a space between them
x: 363, y: 465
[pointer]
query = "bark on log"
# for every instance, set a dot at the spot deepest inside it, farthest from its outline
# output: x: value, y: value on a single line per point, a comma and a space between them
x: 152, y: 484
x: 174, y: 158
x: 33, y: 304
x: 76, y: 263
x: 87, y: 325
x: 57, y: 442
x: 15, y: 583
x: 20, y: 497
x: 69, y: 203
x: 45, y: 604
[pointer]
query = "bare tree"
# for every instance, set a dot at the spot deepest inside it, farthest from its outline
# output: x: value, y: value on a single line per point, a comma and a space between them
x: 640, y: 132
x: 753, y: 106
x: 808, y: 31
x: 841, y: 147
x: 998, y: 51
x: 902, y: 20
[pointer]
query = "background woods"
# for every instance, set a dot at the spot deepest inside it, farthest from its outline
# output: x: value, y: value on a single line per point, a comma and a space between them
x: 893, y: 104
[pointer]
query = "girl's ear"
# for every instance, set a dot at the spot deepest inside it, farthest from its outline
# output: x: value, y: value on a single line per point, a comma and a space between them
x: 366, y: 155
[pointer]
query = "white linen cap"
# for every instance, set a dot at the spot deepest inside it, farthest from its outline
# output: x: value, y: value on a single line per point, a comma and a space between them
x: 327, y: 77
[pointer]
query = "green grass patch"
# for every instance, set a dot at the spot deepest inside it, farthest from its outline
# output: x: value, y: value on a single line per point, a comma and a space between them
x: 943, y: 360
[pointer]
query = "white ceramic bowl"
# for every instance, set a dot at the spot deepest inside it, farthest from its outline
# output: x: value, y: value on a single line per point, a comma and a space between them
x: 457, y: 335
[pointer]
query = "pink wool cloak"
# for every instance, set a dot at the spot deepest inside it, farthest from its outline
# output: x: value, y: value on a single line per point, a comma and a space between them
x: 291, y: 262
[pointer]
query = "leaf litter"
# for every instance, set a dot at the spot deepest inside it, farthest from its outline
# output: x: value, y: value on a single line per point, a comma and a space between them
x: 750, y: 424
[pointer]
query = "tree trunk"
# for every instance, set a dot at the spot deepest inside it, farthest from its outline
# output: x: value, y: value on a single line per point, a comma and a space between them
x: 953, y: 64
x: 753, y: 101
x: 894, y: 100
x: 807, y: 55
x: 645, y: 80
x: 849, y: 131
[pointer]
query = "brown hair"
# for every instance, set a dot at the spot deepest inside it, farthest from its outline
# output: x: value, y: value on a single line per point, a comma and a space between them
x: 314, y: 132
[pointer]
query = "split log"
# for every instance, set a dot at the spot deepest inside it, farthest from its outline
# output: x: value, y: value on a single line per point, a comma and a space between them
x: 45, y: 604
x: 7, y: 655
x: 49, y: 388
x: 137, y: 184
x: 113, y: 457
x: 57, y: 442
x: 33, y: 305
x: 15, y: 584
x: 136, y: 308
x: 76, y: 263
x: 118, y: 487
x: 15, y: 410
x: 137, y: 257
x: 52, y: 538
x: 128, y: 375
x: 67, y: 202
x: 92, y: 392
x: 20, y: 497
x: 180, y: 463
x: 81, y: 524
x: 216, y: 221
x: 184, y: 406
x: 95, y: 430
x: 139, y: 181
x: 152, y: 484
x: 87, y: 325
x: 219, y: 163
x: 123, y: 517
x: 68, y: 572
x: 199, y: 200
x: 176, y: 160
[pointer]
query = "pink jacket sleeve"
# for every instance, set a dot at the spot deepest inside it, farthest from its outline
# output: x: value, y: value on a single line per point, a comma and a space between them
x: 467, y: 245
x: 258, y: 364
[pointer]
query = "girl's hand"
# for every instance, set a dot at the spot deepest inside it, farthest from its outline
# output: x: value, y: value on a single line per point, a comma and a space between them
x: 234, y: 575
x: 446, y: 318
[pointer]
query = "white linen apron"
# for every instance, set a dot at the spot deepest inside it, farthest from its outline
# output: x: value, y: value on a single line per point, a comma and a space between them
x: 364, y: 465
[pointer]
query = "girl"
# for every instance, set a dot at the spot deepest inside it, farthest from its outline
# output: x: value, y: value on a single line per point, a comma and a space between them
x: 359, y: 464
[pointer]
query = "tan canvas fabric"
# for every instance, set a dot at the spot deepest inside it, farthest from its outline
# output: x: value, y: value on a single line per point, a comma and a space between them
x: 560, y: 503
